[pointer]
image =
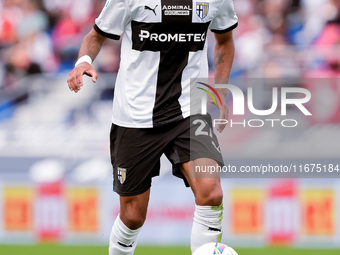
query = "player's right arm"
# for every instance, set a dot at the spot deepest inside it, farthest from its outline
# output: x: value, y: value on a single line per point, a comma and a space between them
x: 90, y: 46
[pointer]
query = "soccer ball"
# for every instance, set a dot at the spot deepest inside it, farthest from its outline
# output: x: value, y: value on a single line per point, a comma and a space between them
x: 215, y: 248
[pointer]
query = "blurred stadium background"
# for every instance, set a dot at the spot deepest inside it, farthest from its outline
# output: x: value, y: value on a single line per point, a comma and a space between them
x: 55, y: 173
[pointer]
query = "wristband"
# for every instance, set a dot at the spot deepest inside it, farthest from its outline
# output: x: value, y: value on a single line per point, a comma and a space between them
x: 85, y: 58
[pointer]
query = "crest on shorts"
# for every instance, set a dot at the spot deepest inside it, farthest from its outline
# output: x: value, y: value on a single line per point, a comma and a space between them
x: 121, y: 174
x: 202, y: 9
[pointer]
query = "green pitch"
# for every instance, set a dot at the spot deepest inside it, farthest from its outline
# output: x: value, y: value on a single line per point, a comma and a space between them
x: 100, y: 250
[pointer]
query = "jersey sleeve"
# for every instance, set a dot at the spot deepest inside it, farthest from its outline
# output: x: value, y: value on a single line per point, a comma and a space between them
x: 113, y: 18
x: 225, y: 19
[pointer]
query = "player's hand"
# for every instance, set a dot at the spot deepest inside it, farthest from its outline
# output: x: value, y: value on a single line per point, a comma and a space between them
x: 75, y: 78
x: 224, y: 111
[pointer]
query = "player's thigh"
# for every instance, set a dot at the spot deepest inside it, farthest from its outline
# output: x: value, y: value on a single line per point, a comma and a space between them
x: 196, y: 143
x: 133, y: 209
x: 135, y: 158
x: 206, y: 188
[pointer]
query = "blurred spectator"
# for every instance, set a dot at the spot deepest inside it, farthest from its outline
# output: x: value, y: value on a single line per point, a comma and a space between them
x: 10, y: 16
x: 30, y: 50
x: 275, y: 38
x: 33, y: 21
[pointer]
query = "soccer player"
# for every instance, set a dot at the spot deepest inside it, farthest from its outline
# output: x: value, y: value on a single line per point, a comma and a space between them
x: 163, y: 46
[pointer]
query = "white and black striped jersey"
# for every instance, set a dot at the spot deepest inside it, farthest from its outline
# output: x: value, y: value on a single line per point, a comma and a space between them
x: 163, y: 46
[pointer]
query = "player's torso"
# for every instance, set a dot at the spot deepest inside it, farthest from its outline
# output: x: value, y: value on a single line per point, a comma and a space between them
x: 164, y: 45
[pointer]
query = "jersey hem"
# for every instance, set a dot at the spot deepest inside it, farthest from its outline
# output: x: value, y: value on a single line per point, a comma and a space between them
x: 101, y: 32
x: 130, y: 125
x: 157, y: 124
x: 134, y: 125
x: 225, y: 30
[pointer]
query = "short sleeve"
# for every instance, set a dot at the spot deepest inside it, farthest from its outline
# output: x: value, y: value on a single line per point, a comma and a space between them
x: 113, y: 18
x: 225, y: 19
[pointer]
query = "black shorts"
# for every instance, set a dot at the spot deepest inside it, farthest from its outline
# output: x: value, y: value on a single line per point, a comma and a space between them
x: 136, y: 152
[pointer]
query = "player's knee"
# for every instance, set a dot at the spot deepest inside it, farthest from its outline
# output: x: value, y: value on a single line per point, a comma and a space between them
x: 213, y: 198
x: 134, y: 221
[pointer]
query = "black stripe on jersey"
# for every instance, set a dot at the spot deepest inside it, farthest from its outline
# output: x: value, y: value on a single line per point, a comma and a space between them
x: 225, y: 30
x: 174, y: 55
x: 101, y: 32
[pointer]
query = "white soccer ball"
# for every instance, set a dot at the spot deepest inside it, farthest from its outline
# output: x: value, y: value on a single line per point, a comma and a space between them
x: 215, y: 248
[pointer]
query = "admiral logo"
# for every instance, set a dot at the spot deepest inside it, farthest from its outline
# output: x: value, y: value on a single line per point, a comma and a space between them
x: 171, y: 37
x: 176, y: 10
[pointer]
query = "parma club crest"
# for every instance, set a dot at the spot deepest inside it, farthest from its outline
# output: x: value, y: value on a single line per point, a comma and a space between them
x: 202, y: 9
x: 121, y: 174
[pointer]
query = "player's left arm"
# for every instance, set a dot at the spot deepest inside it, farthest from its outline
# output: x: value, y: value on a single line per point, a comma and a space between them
x: 224, y: 56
